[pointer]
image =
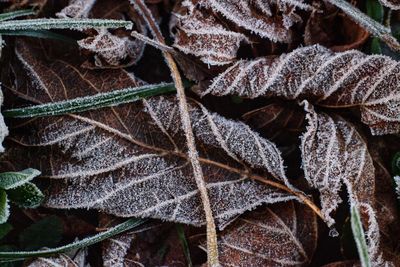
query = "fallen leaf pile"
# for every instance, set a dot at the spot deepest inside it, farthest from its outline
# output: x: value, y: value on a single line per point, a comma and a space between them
x: 295, y: 123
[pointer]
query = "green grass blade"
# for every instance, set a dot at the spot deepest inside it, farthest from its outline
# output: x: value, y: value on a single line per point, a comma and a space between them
x: 359, y: 237
x: 44, y: 34
x: 75, y: 24
x: 19, y: 255
x: 185, y: 245
x: 16, y: 14
x: 9, y: 180
x: 81, y: 104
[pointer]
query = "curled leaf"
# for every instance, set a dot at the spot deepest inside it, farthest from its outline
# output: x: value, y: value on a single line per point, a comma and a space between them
x: 203, y: 36
x: 115, y: 250
x: 334, y: 154
x: 325, y: 78
x: 269, y: 19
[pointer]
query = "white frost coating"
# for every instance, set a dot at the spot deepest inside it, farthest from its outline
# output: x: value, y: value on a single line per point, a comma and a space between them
x: 127, y: 179
x: 334, y: 154
x: 277, y: 235
x: 76, y: 9
x: 61, y: 260
x: 325, y: 78
x: 111, y: 48
x: 115, y: 250
x: 241, y: 12
x: 3, y: 126
x: 207, y: 39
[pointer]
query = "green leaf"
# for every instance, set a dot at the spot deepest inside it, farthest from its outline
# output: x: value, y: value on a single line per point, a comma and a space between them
x: 10, y: 180
x: 5, y: 228
x: 72, y: 24
x: 375, y: 10
x: 396, y: 164
x: 359, y: 237
x: 44, y: 233
x: 375, y: 46
x: 81, y: 104
x: 26, y: 196
x: 185, y: 246
x: 4, y: 207
x: 44, y: 34
x: 16, y: 14
x: 120, y: 228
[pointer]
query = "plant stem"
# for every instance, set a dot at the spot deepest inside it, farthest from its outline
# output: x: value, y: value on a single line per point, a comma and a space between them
x: 212, y: 242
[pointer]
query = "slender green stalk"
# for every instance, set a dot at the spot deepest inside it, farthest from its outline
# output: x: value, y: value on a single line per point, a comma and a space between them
x: 81, y: 104
x: 19, y: 255
x: 16, y: 14
x: 359, y: 237
x: 185, y: 245
x: 75, y: 24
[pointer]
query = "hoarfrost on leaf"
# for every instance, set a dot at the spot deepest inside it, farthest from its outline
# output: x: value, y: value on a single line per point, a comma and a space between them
x: 76, y: 9
x: 393, y: 4
x: 204, y: 37
x: 3, y: 126
x: 130, y: 160
x: 115, y: 250
x: 282, y: 234
x: 334, y: 154
x: 257, y: 17
x: 345, y: 79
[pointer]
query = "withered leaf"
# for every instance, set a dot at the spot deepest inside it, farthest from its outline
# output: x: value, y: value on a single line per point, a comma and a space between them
x: 269, y: 19
x: 62, y: 260
x: 130, y: 160
x: 203, y: 36
x: 334, y: 80
x: 109, y: 50
x: 334, y: 154
x: 282, y: 234
x: 115, y: 250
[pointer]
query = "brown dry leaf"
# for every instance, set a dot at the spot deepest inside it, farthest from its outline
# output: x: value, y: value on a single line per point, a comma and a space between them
x: 201, y: 35
x: 277, y: 235
x: 270, y: 19
x: 393, y: 4
x: 344, y: 36
x: 325, y: 78
x: 108, y: 49
x: 115, y: 250
x: 62, y: 260
x: 334, y: 154
x: 130, y: 160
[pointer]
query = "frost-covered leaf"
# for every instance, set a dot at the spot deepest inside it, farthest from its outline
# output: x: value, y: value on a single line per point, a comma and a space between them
x: 393, y: 4
x: 203, y: 36
x: 27, y: 195
x: 325, y: 78
x: 359, y: 237
x: 76, y: 9
x: 108, y: 49
x: 334, y: 154
x: 269, y: 18
x: 61, y: 260
x: 115, y: 250
x: 10, y: 180
x: 131, y: 160
x: 278, y: 235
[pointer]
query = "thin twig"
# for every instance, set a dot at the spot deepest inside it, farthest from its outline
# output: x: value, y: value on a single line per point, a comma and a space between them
x: 212, y: 244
